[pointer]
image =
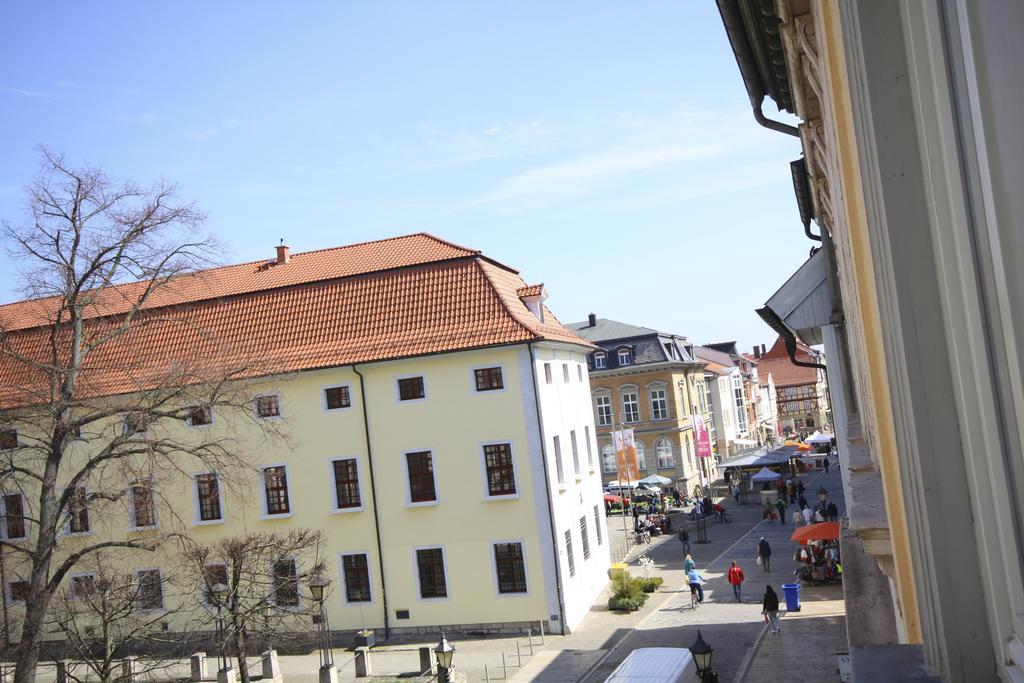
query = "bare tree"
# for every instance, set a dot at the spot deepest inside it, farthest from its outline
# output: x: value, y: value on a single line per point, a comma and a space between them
x: 108, y: 614
x: 264, y: 574
x: 92, y: 391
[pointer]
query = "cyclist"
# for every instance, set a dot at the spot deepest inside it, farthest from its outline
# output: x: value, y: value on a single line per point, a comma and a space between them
x: 720, y: 512
x: 696, y: 584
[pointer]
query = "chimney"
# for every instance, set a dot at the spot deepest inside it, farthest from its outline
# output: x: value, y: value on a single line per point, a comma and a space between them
x: 592, y: 319
x: 757, y: 351
x: 762, y: 350
x: 282, y: 253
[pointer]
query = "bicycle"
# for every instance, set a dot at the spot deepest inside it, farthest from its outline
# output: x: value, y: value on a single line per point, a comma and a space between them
x: 724, y: 517
x: 693, y: 598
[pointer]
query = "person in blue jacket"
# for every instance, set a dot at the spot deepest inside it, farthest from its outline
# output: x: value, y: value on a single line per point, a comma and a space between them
x: 696, y: 583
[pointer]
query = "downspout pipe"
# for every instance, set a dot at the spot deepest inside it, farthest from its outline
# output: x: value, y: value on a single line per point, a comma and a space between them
x: 547, y: 487
x: 373, y: 496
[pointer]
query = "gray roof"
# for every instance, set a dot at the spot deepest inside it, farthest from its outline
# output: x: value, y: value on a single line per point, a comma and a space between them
x: 609, y: 330
x: 647, y: 345
x: 713, y: 355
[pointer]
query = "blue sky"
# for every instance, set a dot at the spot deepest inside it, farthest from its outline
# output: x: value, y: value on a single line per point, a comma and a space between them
x: 603, y: 148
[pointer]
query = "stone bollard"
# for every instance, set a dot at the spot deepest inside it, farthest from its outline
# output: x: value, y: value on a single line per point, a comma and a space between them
x: 228, y: 675
x: 426, y: 660
x: 271, y: 667
x: 328, y: 674
x: 363, y: 668
x: 200, y: 671
x: 62, y: 671
x: 129, y: 670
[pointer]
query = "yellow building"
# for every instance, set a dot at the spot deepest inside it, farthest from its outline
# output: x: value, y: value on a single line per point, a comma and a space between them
x: 909, y: 119
x: 432, y: 420
x: 648, y: 381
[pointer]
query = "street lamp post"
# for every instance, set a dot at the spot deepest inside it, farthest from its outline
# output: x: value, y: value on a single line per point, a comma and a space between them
x: 218, y: 596
x: 702, y: 529
x: 444, y: 652
x: 317, y: 585
x: 702, y: 652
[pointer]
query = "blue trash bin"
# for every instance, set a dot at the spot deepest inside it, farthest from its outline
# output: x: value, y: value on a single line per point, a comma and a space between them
x: 792, y: 592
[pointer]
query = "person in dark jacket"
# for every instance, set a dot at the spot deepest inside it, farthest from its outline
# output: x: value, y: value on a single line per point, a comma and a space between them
x: 764, y: 551
x: 770, y: 608
x: 833, y: 513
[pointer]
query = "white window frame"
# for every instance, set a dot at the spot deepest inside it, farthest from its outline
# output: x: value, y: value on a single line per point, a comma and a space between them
x: 408, y: 485
x: 494, y: 569
x: 658, y: 454
x: 138, y: 590
x: 604, y: 462
x: 606, y: 395
x: 263, y: 491
x: 574, y: 444
x: 24, y: 517
x: 624, y: 353
x: 651, y: 389
x: 483, y: 469
x: 641, y: 455
x: 579, y: 372
x: 334, y: 488
x: 202, y: 581
x: 369, y: 578
x: 197, y: 520
x: 556, y: 445
x: 414, y: 375
x: 133, y: 525
x: 416, y: 573
x: 600, y: 360
x: 88, y: 514
x: 213, y: 416
x: 486, y: 366
x: 590, y: 447
x: 548, y: 376
x: 566, y: 379
x: 635, y: 392
x: 323, y: 397
x: 268, y: 394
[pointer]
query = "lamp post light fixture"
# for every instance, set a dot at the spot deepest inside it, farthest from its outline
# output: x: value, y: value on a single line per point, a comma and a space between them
x: 317, y: 585
x: 444, y: 652
x: 702, y: 652
x: 219, y: 598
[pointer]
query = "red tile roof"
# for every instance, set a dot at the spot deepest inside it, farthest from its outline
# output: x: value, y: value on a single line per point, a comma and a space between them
x: 530, y: 290
x: 402, y: 297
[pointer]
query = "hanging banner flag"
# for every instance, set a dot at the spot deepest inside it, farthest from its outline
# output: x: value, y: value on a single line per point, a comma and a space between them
x: 701, y: 436
x: 625, y: 455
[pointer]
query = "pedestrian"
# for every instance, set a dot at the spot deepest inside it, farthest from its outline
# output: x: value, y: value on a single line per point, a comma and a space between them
x: 736, y: 492
x: 684, y: 538
x: 764, y: 555
x: 688, y: 564
x: 781, y: 505
x: 833, y: 512
x: 800, y: 487
x: 770, y: 609
x: 696, y: 583
x: 808, y: 515
x: 826, y: 464
x: 735, y: 577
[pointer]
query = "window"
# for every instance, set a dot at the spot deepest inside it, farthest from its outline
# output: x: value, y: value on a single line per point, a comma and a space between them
x: 558, y: 460
x: 624, y: 356
x: 8, y: 439
x: 584, y: 537
x: 286, y: 583
x: 411, y: 389
x: 488, y: 379
x: 208, y: 494
x: 430, y: 563
x: 565, y: 372
x: 421, y: 476
x: 356, y: 573
x: 597, y: 525
x: 706, y: 402
x: 336, y: 398
x: 346, y: 484
x: 135, y: 422
x: 604, y: 411
x: 199, y: 416
x: 14, y: 517
x: 143, y: 508
x: 510, y: 567
x: 641, y: 459
x: 579, y: 373
x: 568, y: 553
x: 600, y: 360
x: 83, y: 586
x: 78, y: 511
x: 212, y: 575
x: 663, y: 448
x: 547, y: 373
x: 608, y: 458
x: 275, y: 484
x: 501, y: 477
x: 268, y: 406
x: 741, y: 411
x: 17, y: 591
x: 590, y: 447
x: 150, y: 589
x: 575, y: 452
x: 810, y: 422
x: 630, y: 407
x: 659, y: 405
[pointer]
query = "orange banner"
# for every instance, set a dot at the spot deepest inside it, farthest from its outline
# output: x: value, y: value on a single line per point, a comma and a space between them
x: 625, y: 456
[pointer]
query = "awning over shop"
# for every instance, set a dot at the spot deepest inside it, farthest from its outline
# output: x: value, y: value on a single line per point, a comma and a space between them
x: 766, y: 475
x: 818, y: 437
x: 762, y: 457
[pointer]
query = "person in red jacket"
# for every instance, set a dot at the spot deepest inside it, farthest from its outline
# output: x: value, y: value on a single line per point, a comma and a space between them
x: 736, y: 577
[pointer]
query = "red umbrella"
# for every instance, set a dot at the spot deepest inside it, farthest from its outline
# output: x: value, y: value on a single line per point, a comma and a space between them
x: 823, y: 531
x: 612, y: 498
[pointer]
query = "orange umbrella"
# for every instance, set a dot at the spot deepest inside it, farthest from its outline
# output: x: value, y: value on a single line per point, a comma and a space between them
x: 791, y: 443
x: 804, y: 447
x: 823, y: 531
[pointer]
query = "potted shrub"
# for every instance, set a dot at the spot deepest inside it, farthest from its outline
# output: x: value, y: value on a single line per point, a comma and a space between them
x: 650, y: 585
x: 627, y: 594
x: 365, y: 638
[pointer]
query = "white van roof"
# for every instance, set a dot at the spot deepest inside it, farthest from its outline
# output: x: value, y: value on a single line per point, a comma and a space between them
x: 650, y: 664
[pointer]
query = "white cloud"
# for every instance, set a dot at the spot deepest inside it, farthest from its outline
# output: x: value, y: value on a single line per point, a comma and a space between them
x: 24, y: 92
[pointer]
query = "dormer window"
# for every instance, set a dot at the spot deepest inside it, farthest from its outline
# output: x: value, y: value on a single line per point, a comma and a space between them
x: 625, y: 357
x: 600, y: 360
x: 533, y: 297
